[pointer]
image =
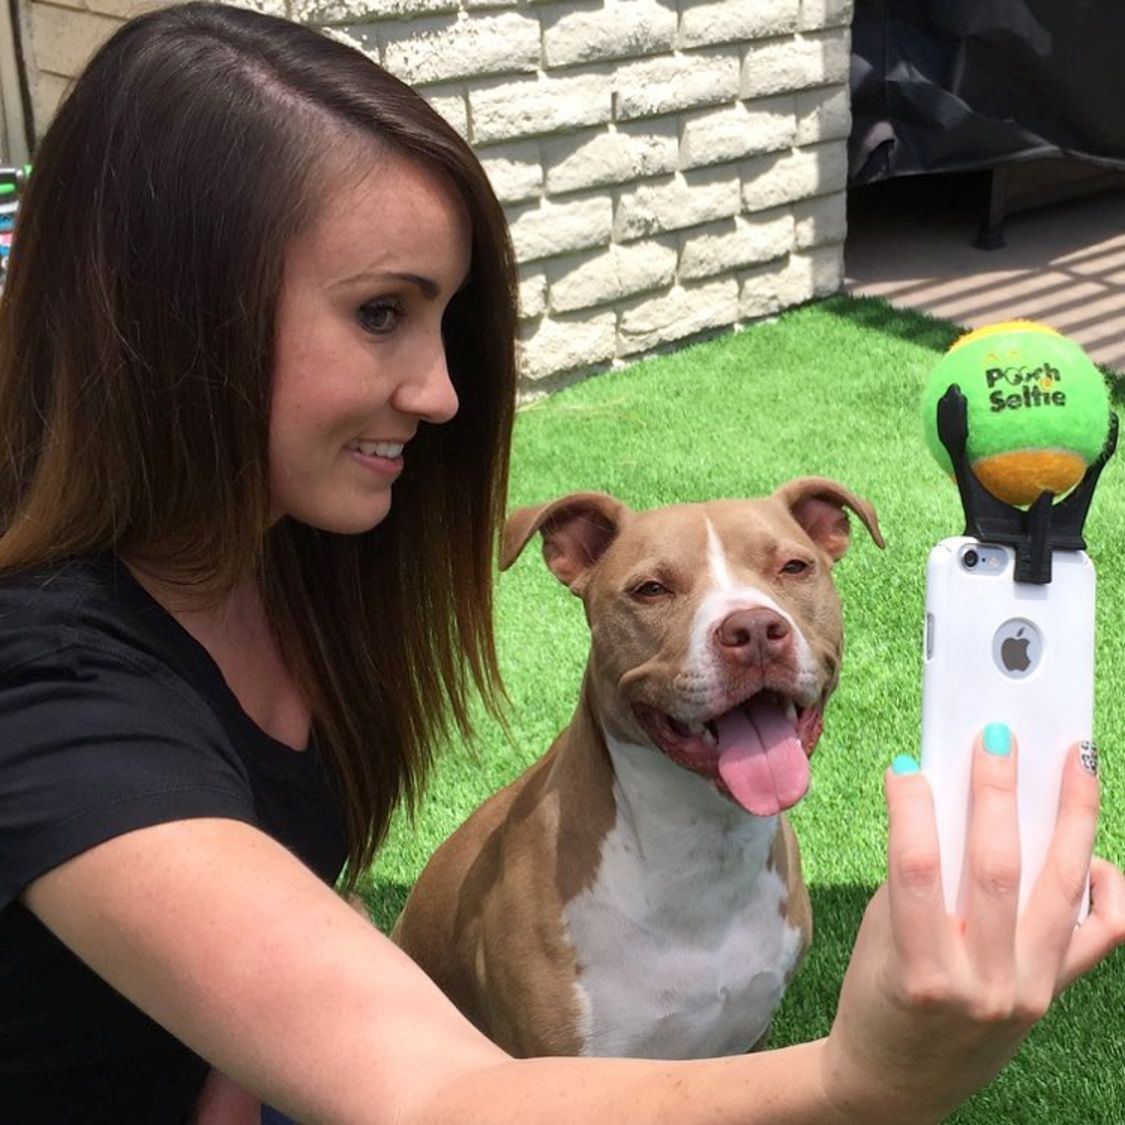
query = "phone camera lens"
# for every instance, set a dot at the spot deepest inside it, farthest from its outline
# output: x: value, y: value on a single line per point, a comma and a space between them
x: 970, y: 558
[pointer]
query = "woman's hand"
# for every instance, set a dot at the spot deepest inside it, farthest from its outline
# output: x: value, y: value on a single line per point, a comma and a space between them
x: 934, y: 1005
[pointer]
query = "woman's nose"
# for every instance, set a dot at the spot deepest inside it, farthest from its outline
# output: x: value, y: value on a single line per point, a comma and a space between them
x: 428, y: 392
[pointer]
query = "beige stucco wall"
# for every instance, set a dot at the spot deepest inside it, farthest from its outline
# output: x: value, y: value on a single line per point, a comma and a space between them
x: 669, y: 167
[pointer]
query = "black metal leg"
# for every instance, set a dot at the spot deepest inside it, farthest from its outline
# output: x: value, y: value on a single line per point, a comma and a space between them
x: 991, y: 233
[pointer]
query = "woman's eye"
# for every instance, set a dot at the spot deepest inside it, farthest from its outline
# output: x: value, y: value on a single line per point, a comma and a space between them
x: 650, y: 589
x: 379, y: 317
x: 795, y: 566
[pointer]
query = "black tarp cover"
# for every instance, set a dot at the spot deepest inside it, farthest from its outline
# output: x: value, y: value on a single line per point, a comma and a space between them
x: 956, y: 85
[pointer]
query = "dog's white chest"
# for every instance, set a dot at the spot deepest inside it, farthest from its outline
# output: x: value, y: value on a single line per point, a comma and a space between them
x: 682, y: 943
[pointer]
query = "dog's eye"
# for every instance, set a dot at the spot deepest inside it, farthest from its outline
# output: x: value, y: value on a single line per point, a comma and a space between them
x: 795, y: 566
x: 650, y: 589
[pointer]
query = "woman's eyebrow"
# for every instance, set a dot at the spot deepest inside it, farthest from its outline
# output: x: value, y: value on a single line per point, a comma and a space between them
x: 430, y: 288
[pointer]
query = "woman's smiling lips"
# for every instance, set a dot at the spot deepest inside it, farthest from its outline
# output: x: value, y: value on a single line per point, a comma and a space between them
x: 383, y: 457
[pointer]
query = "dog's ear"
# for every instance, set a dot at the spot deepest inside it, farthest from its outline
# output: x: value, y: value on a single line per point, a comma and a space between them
x: 818, y: 504
x: 576, y: 531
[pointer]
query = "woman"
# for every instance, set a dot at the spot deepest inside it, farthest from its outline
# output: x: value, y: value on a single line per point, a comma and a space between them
x: 259, y: 289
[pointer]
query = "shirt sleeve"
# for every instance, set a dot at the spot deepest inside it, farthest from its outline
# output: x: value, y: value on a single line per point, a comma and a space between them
x: 93, y: 745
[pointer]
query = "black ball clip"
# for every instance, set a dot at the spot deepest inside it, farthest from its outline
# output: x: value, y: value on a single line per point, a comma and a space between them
x: 1035, y: 533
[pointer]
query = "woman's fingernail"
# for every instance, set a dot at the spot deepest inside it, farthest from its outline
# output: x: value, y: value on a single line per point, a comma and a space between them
x: 904, y: 763
x: 998, y: 739
x: 1088, y: 756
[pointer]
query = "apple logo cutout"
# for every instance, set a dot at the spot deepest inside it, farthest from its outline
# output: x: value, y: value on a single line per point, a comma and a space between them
x: 1017, y: 648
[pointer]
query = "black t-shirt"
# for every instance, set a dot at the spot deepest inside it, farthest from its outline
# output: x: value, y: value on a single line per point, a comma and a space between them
x: 113, y: 718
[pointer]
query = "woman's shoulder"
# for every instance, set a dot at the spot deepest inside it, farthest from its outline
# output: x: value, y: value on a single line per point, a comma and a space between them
x: 51, y: 585
x: 91, y: 604
x: 99, y: 737
x: 40, y: 608
x: 83, y: 630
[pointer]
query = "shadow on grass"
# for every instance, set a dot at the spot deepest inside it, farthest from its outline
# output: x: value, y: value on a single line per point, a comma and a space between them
x: 877, y: 315
x: 384, y: 901
x: 1116, y: 388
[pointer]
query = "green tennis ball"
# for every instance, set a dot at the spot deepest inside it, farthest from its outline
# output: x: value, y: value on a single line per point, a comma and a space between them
x: 1038, y: 408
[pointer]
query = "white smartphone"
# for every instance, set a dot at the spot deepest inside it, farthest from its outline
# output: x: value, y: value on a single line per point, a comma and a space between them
x: 1000, y: 651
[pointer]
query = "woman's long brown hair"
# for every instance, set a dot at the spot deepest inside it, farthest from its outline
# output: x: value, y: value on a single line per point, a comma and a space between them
x: 136, y: 353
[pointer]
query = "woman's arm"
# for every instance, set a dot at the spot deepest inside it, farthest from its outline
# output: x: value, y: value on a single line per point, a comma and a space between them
x: 229, y: 942
x: 224, y: 938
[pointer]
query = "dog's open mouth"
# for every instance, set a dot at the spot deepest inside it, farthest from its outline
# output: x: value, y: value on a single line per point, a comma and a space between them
x: 757, y: 752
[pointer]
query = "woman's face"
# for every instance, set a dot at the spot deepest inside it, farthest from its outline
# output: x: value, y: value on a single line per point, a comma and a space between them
x: 360, y: 361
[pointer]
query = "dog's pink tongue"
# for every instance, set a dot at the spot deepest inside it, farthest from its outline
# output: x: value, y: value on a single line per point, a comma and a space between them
x: 761, y: 758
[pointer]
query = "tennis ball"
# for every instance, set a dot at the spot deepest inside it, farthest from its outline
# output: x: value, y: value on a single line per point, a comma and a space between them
x: 1038, y: 408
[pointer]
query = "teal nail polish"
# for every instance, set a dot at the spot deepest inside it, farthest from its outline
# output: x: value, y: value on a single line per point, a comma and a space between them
x: 998, y: 739
x: 904, y: 764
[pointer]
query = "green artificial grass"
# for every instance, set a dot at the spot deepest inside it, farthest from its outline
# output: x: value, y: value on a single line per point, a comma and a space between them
x: 829, y: 389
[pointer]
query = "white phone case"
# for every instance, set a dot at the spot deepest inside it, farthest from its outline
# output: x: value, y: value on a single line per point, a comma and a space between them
x: 1041, y: 684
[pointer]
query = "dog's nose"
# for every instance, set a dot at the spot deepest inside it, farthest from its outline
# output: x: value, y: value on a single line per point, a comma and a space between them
x: 753, y: 636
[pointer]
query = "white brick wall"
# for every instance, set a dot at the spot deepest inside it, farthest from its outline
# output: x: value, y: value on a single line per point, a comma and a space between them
x: 669, y: 167
x: 618, y: 29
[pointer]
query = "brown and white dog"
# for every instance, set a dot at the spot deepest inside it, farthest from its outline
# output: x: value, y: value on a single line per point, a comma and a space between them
x: 637, y: 892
